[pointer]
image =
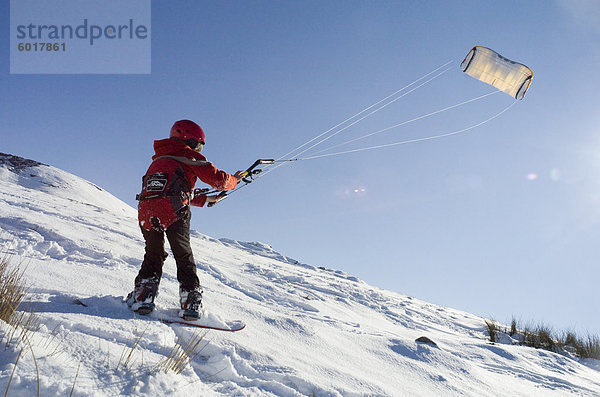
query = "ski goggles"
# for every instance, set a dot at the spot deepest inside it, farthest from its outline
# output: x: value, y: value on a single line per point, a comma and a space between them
x: 195, y: 144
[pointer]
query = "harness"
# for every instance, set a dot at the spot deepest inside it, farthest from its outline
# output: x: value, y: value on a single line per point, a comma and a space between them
x: 158, y: 185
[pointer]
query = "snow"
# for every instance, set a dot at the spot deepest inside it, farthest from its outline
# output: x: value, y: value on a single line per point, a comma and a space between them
x: 310, y: 330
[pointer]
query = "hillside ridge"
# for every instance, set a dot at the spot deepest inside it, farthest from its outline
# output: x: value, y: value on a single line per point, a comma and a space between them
x: 310, y: 330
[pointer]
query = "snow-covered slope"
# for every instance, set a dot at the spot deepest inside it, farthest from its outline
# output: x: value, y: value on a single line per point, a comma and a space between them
x: 310, y: 330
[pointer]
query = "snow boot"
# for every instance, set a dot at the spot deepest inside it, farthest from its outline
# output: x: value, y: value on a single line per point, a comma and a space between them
x: 191, y: 303
x: 141, y: 299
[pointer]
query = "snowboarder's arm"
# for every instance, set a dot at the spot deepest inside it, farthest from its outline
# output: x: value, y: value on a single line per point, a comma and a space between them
x: 216, y: 178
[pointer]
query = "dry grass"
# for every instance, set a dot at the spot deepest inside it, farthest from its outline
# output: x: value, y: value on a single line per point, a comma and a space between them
x: 492, y: 329
x: 75, y: 381
x: 127, y: 355
x: 544, y: 337
x: 513, y: 327
x: 588, y: 347
x: 183, y: 352
x: 12, y: 291
x: 12, y: 374
x: 19, y: 323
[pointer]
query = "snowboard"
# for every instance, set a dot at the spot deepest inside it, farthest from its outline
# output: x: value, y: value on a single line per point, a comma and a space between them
x: 207, y: 319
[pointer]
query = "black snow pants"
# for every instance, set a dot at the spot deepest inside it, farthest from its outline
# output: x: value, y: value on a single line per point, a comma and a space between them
x: 178, y: 235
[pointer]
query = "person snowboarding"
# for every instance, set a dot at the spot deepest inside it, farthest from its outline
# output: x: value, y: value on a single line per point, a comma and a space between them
x: 164, y: 208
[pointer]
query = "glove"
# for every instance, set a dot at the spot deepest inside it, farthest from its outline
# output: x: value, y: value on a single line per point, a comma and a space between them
x: 199, y: 200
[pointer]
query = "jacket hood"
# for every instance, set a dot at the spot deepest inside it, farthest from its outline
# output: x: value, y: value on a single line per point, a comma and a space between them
x: 174, y: 147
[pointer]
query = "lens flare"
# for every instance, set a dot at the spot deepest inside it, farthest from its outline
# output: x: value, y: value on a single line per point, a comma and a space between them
x: 532, y: 176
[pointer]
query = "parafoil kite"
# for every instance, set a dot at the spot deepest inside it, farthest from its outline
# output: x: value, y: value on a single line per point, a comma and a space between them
x: 492, y: 68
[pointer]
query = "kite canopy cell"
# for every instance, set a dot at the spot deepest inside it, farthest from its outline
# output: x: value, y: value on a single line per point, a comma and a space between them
x: 492, y: 68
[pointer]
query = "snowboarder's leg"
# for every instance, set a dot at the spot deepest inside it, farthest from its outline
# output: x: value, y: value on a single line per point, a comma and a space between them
x: 179, y: 239
x: 154, y: 256
x: 190, y: 292
x: 141, y: 299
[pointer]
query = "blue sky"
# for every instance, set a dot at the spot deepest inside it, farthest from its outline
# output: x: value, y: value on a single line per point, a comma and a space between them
x: 501, y: 221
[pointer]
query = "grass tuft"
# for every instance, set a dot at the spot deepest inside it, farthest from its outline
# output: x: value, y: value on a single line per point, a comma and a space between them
x: 183, y: 352
x: 589, y: 347
x: 19, y: 323
x: 513, y: 327
x: 127, y: 357
x: 492, y: 329
x: 543, y: 337
x: 12, y: 291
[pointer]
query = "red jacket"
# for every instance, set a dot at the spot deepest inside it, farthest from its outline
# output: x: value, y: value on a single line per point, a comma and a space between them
x: 170, y: 180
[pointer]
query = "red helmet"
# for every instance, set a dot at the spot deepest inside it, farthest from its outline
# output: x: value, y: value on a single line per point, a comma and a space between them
x: 187, y: 129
